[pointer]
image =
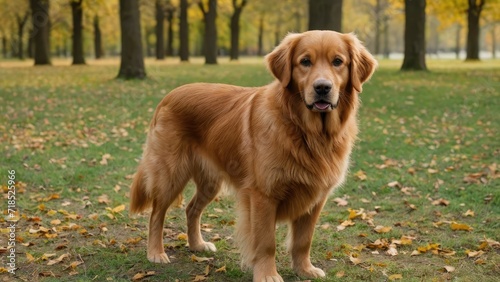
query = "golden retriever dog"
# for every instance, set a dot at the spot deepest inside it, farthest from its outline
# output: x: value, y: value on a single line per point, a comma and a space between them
x: 283, y: 147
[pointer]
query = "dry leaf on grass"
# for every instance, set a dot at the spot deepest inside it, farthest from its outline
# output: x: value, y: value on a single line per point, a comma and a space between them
x: 460, y: 227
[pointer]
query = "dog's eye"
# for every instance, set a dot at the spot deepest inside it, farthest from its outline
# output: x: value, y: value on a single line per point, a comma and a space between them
x: 337, y: 62
x: 306, y: 62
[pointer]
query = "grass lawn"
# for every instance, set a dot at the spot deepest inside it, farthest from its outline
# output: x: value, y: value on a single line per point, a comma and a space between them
x: 421, y: 203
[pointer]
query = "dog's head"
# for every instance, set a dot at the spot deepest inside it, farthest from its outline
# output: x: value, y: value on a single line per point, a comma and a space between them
x: 322, y: 66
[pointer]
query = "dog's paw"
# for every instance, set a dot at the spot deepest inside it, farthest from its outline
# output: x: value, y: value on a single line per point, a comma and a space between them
x: 205, y: 246
x: 159, y: 258
x: 311, y: 272
x: 274, y: 278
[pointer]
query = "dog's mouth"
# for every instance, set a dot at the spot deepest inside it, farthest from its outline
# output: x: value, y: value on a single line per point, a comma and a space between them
x: 322, y: 106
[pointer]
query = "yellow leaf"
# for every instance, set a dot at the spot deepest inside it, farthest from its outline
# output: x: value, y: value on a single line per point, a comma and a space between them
x: 395, y: 277
x: 200, y: 259
x: 473, y: 254
x: 361, y: 175
x: 382, y: 229
x: 460, y: 226
x: 199, y: 278
x: 55, y: 222
x: 354, y: 259
x: 51, y: 212
x: 58, y: 260
x: 207, y: 270
x: 29, y: 257
x: 340, y: 274
x: 415, y: 253
x: 119, y: 208
x: 182, y: 237
x: 221, y: 269
x: 469, y: 213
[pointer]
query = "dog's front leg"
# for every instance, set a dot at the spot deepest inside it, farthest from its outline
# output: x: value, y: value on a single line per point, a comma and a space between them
x: 301, y: 233
x: 263, y: 225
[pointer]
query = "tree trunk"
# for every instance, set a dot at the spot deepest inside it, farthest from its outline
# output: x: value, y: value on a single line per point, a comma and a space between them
x: 31, y: 46
x: 21, y: 22
x: 77, y: 11
x: 235, y: 28
x: 4, y: 47
x: 41, y: 31
x: 325, y: 14
x: 473, y: 16
x: 170, y: 32
x: 387, y: 50
x: 132, y: 58
x: 159, y: 30
x: 210, y: 36
x: 414, y: 57
x: 378, y: 20
x: 260, y: 47
x: 457, y: 41
x: 183, y: 32
x: 493, y: 41
x: 98, y: 50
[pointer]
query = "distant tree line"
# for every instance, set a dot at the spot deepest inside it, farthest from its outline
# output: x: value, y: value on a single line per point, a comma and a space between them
x: 183, y: 17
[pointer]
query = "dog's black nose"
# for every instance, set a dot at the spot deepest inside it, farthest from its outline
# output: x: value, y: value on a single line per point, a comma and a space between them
x: 322, y: 86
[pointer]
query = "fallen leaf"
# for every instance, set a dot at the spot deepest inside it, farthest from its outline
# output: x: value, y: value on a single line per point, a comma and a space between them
x: 29, y: 257
x: 395, y: 277
x: 473, y: 254
x: 361, y: 175
x: 141, y: 275
x: 449, y: 268
x: 200, y: 259
x: 460, y: 226
x: 469, y: 213
x: 199, y: 278
x: 182, y: 237
x: 340, y: 202
x: 221, y: 269
x: 440, y: 202
x: 382, y: 229
x: 340, y: 274
x: 58, y: 260
x: 354, y: 259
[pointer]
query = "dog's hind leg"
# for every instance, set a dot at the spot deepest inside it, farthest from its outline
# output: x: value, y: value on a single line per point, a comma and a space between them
x: 208, y: 184
x: 164, y: 197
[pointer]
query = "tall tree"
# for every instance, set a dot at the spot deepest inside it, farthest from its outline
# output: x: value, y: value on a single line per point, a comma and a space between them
x: 98, y: 50
x: 159, y: 30
x: 414, y: 56
x: 184, y: 31
x: 325, y: 14
x: 210, y: 36
x: 132, y: 59
x: 77, y: 12
x: 473, y: 16
x: 41, y: 31
x: 235, y: 28
x: 21, y: 22
x: 170, y: 31
x: 4, y: 46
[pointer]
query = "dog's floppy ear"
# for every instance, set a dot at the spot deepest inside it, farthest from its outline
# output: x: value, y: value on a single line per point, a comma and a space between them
x: 279, y: 61
x: 362, y: 62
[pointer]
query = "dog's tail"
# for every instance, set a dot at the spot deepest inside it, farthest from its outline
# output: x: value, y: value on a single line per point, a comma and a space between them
x: 139, y: 198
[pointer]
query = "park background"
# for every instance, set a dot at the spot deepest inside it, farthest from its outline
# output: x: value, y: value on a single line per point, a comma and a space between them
x: 421, y: 202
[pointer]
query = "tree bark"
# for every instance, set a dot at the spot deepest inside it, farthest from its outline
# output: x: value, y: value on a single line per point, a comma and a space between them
x: 21, y: 22
x: 235, y: 28
x: 98, y: 49
x: 457, y: 41
x: 260, y: 47
x: 210, y: 36
x: 473, y: 16
x: 183, y: 32
x: 4, y: 47
x: 159, y: 30
x: 414, y: 57
x: 77, y: 12
x: 132, y: 58
x: 31, y: 45
x: 41, y: 31
x: 325, y: 14
x: 170, y: 32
